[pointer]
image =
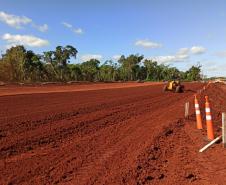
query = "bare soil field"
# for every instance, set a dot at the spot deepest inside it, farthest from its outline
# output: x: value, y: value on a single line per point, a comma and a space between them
x: 50, y: 88
x: 107, y: 134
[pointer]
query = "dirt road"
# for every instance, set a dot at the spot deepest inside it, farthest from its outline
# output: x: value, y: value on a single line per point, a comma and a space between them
x: 132, y: 135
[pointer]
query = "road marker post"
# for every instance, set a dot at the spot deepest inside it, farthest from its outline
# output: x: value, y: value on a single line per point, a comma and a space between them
x: 198, y: 114
x: 186, y: 113
x: 224, y: 129
x: 209, y: 123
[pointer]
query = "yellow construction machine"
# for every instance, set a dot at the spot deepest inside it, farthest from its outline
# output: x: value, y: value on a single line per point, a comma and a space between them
x: 174, y: 86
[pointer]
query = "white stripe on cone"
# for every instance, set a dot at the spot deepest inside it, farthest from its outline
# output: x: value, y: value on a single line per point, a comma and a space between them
x: 208, y: 117
x: 207, y: 109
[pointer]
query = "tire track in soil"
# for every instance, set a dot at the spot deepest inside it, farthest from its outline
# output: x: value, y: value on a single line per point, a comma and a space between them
x: 111, y: 141
x: 78, y: 125
x: 122, y: 120
x: 87, y: 105
x: 82, y: 178
x: 170, y: 159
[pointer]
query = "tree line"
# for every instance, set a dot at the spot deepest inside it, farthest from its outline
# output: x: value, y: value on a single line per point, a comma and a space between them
x: 20, y: 65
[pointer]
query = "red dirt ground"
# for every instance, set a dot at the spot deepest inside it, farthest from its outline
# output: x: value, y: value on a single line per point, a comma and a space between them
x: 130, y: 135
x: 50, y: 88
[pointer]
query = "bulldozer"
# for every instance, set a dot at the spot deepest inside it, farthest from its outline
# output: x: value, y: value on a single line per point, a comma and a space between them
x: 174, y: 86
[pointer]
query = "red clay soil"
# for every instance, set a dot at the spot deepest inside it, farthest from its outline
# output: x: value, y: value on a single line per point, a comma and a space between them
x: 173, y: 157
x: 133, y: 135
x: 11, y: 89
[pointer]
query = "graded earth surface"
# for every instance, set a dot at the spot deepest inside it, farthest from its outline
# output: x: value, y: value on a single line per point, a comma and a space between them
x: 128, y: 133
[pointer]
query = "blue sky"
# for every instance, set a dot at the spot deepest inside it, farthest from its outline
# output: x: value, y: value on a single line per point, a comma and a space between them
x: 176, y: 32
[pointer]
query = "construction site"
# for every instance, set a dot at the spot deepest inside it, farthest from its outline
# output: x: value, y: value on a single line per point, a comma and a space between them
x: 120, y: 133
x: 112, y: 92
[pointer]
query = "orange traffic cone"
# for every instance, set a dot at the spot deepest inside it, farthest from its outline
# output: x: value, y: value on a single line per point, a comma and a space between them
x: 198, y: 114
x: 209, y: 123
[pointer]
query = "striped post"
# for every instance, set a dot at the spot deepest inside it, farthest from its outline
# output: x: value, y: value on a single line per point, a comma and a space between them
x: 198, y: 114
x: 224, y: 129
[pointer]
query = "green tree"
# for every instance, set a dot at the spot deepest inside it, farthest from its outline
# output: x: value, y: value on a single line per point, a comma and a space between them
x: 13, y: 61
x: 194, y: 73
x: 18, y: 64
x: 107, y: 71
x: 33, y: 67
x: 130, y: 66
x: 59, y: 59
x: 75, y: 72
x: 90, y: 69
x: 151, y: 69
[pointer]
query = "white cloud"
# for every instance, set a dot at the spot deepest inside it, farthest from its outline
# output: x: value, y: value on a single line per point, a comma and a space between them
x: 198, y: 50
x: 170, y: 58
x: 14, y: 20
x: 183, y: 51
x: 87, y: 57
x: 181, y: 56
x: 164, y: 59
x: 147, y: 44
x: 75, y: 30
x: 26, y: 40
x: 19, y: 21
x: 116, y: 57
x: 42, y: 28
x: 78, y: 31
x: 67, y: 24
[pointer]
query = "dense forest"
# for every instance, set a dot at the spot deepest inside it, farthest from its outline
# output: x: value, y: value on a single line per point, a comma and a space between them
x: 20, y: 65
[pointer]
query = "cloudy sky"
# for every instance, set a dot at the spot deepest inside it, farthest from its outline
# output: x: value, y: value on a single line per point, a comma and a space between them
x: 176, y: 32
